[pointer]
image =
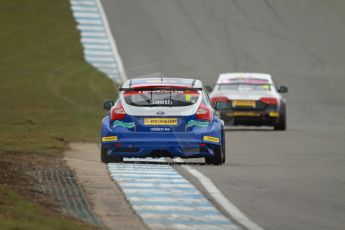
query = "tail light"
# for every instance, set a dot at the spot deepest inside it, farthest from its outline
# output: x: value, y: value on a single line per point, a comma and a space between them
x: 204, y: 113
x: 118, y: 145
x: 117, y: 112
x: 222, y: 99
x: 269, y: 100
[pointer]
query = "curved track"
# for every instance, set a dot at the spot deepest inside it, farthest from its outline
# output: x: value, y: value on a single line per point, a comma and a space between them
x: 281, y: 180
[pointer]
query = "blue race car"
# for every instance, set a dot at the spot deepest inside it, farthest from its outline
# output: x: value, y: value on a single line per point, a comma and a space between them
x: 162, y: 117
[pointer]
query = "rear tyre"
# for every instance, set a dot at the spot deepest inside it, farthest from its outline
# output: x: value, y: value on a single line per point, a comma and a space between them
x: 223, y: 146
x: 223, y: 149
x: 219, y: 154
x: 281, y: 125
x: 217, y: 159
x: 107, y: 159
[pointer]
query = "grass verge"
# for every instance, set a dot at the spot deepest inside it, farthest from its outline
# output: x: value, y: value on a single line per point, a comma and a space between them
x: 48, y: 95
x: 18, y: 212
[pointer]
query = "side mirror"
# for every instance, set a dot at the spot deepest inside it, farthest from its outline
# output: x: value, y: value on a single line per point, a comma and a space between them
x: 108, y: 104
x: 208, y: 88
x: 283, y: 89
x: 221, y: 105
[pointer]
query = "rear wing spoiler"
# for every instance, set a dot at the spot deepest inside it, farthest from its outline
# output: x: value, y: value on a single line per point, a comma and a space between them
x: 159, y: 88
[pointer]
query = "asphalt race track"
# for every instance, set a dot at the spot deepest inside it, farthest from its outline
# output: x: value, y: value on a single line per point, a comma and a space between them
x: 281, y: 180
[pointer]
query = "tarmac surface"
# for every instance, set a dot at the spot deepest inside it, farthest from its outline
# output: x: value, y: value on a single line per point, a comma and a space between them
x: 281, y: 180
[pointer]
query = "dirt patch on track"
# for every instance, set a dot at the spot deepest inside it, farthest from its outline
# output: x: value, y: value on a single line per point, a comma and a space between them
x: 18, y: 170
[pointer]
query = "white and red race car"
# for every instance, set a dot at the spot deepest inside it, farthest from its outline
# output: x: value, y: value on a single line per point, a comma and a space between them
x: 250, y: 99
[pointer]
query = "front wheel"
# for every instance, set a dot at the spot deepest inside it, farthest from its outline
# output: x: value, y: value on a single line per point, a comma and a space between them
x: 107, y: 159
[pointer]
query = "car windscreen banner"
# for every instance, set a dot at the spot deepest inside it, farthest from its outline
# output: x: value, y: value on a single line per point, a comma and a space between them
x: 244, y: 81
x: 161, y: 97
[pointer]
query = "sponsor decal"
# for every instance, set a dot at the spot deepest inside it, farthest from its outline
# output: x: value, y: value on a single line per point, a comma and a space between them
x: 273, y: 114
x: 245, y: 80
x: 163, y: 102
x: 211, y: 139
x: 160, y: 113
x: 160, y: 121
x: 266, y: 87
x: 202, y: 124
x: 154, y: 81
x: 237, y: 103
x: 128, y: 125
x: 160, y: 129
x: 244, y: 114
x: 110, y: 138
x: 188, y: 97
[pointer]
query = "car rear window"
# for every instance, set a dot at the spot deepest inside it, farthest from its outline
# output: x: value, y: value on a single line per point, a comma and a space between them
x: 160, y: 98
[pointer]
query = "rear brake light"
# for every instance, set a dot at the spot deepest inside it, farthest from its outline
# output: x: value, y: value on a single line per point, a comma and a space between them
x: 117, y: 112
x: 216, y: 99
x: 269, y: 100
x: 204, y: 113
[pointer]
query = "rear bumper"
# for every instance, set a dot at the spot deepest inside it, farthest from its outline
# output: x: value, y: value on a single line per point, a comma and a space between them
x: 172, y: 150
x: 125, y: 143
x: 256, y: 118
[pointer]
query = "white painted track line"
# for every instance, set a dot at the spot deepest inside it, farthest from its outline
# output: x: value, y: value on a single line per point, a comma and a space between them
x: 133, y: 159
x: 159, y: 180
x: 89, y: 28
x: 222, y: 201
x: 164, y: 199
x: 145, y: 172
x: 200, y: 227
x: 82, y: 3
x: 170, y: 185
x: 86, y: 15
x: 112, y: 42
x: 171, y: 208
x: 185, y: 217
x: 97, y: 39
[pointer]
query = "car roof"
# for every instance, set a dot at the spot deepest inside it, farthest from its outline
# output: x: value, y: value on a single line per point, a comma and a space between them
x: 165, y: 81
x: 226, y: 76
